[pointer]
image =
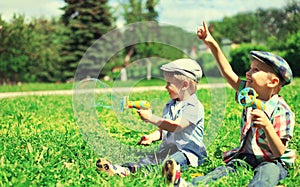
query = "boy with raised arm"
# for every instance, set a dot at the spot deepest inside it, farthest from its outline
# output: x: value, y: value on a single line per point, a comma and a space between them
x: 264, y: 133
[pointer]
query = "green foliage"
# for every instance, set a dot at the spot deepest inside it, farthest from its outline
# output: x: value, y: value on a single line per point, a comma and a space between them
x: 157, y: 49
x: 167, y: 42
x: 178, y: 37
x: 289, y: 50
x: 30, y: 51
x: 50, y: 50
x: 259, y: 30
x: 15, y: 56
x: 49, y: 40
x: 87, y: 21
x: 139, y: 10
x: 208, y: 63
x: 240, y: 61
x: 291, y: 54
x: 259, y: 25
x: 238, y: 28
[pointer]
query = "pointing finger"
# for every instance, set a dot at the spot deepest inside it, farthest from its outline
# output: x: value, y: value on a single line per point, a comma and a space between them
x: 204, y: 25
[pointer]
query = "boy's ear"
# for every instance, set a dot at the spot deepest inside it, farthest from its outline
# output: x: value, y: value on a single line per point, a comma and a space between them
x: 185, y: 85
x: 274, y: 81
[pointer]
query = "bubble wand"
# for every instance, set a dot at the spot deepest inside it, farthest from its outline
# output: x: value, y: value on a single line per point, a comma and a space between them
x: 248, y: 98
x: 141, y: 104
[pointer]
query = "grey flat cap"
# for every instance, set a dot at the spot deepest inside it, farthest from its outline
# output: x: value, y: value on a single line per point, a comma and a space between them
x: 186, y: 66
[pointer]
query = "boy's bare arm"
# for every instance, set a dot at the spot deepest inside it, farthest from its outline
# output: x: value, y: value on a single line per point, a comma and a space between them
x: 165, y: 124
x: 260, y: 119
x: 148, y: 139
x: 170, y: 125
x: 222, y: 62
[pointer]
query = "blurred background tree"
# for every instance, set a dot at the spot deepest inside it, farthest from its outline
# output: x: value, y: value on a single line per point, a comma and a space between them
x: 274, y: 30
x: 87, y: 21
x: 49, y: 50
x: 30, y: 51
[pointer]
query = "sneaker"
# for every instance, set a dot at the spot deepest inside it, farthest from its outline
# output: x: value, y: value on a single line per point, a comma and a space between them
x: 111, y: 169
x: 171, y: 172
x: 133, y: 168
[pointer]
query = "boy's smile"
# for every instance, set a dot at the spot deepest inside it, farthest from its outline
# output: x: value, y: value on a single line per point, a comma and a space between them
x: 258, y: 76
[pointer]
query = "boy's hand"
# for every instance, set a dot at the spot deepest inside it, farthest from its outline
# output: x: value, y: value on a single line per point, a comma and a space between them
x: 260, y: 119
x: 203, y: 33
x: 145, y: 140
x: 145, y: 114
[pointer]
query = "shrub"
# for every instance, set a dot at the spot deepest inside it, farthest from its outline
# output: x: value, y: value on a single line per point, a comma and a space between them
x: 240, y: 62
x: 292, y: 53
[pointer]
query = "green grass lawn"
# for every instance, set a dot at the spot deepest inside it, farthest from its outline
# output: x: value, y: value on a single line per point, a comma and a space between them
x: 25, y: 87
x: 42, y: 145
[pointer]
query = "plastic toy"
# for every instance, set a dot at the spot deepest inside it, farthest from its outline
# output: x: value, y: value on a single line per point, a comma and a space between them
x: 248, y: 98
x: 141, y: 104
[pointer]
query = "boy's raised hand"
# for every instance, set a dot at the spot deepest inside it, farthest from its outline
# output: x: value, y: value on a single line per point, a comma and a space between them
x: 203, y: 33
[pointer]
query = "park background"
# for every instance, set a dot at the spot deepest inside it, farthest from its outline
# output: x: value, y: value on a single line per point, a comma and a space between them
x: 42, y: 144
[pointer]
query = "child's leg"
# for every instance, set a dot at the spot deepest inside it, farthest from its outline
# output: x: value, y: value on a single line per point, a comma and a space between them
x: 181, y: 159
x: 217, y: 173
x: 171, y: 169
x: 220, y: 172
x: 123, y: 170
x: 268, y: 174
x: 111, y: 169
x: 145, y: 162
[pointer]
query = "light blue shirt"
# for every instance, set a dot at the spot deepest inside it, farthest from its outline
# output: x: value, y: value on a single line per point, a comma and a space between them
x: 188, y: 140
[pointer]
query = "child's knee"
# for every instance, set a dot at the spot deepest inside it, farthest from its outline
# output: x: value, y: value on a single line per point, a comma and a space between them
x: 268, y: 168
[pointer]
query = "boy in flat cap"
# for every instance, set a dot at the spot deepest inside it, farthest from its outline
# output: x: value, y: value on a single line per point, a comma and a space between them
x: 180, y: 128
x: 264, y: 133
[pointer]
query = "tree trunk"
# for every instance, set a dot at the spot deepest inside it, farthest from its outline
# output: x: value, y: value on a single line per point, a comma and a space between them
x: 148, y: 69
x: 126, y: 62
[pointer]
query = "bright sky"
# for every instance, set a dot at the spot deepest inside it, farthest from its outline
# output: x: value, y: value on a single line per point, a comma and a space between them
x: 187, y: 14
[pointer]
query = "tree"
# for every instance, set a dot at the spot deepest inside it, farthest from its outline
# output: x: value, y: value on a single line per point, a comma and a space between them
x: 240, y: 61
x: 256, y: 27
x: 291, y: 52
x: 29, y: 50
x: 238, y: 28
x: 15, y: 49
x: 47, y: 43
x: 87, y: 21
x: 292, y: 12
x: 270, y: 26
x: 138, y: 11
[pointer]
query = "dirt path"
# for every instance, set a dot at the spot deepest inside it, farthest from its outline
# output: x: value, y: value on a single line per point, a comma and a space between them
x: 125, y: 89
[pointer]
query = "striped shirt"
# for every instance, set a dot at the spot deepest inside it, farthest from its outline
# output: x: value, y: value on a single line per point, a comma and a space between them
x: 254, y: 140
